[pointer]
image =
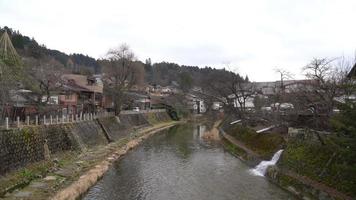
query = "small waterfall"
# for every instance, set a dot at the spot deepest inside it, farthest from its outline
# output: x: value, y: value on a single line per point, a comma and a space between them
x: 261, y: 168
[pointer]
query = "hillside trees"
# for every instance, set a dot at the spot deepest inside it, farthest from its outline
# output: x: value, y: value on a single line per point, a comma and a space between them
x: 29, y: 47
x: 185, y: 81
x: 232, y: 90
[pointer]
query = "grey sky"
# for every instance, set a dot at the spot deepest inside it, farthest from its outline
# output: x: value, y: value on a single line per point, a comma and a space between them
x: 252, y: 37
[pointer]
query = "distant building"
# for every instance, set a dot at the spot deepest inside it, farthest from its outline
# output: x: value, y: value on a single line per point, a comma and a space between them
x: 217, y: 105
x: 195, y: 104
x: 142, y: 101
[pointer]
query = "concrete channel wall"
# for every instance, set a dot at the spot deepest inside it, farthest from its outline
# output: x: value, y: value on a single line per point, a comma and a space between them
x: 20, y: 147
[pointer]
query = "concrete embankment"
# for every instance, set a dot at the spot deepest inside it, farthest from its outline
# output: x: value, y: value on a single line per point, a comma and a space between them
x: 46, y: 157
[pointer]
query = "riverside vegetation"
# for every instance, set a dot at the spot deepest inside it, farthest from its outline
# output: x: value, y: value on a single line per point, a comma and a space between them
x: 306, y: 164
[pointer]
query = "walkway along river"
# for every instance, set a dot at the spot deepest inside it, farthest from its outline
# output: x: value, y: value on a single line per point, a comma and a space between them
x: 180, y: 163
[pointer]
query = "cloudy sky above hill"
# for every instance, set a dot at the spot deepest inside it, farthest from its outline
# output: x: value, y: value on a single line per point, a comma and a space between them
x: 251, y: 37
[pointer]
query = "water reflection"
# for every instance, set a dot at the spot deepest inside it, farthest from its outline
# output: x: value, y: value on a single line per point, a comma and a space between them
x: 181, y: 164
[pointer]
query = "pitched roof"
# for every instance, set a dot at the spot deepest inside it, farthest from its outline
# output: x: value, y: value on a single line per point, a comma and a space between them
x: 80, y: 83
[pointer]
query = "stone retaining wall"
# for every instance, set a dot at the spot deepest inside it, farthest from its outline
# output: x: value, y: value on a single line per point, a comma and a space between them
x: 19, y: 147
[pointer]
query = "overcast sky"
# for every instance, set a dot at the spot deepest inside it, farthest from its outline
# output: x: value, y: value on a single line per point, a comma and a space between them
x: 253, y: 37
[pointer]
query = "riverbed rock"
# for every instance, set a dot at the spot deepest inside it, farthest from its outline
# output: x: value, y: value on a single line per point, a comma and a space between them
x: 50, y: 178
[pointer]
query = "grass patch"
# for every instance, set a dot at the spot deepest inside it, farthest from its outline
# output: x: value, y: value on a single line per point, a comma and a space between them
x: 265, y: 144
x: 327, y: 163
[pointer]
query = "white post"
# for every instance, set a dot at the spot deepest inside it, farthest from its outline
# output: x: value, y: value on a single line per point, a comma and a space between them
x: 81, y: 116
x: 7, y: 123
x: 72, y: 117
x: 63, y: 118
x: 18, y: 121
x: 50, y: 119
x: 44, y: 119
x: 36, y: 120
x: 27, y: 120
x: 57, y: 119
x: 91, y: 116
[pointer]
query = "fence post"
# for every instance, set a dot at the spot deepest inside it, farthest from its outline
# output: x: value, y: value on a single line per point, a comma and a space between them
x: 7, y: 123
x: 57, y: 119
x: 36, y: 120
x: 72, y: 118
x: 50, y: 119
x: 27, y: 120
x: 91, y: 116
x: 18, y: 121
x: 63, y: 119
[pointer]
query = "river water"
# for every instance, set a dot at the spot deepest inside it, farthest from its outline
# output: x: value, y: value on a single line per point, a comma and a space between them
x: 179, y: 164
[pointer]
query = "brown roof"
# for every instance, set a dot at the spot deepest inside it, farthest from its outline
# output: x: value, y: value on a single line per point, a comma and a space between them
x: 80, y: 82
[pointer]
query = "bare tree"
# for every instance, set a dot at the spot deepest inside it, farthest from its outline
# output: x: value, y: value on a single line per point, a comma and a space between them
x: 284, y: 75
x: 44, y: 78
x: 327, y: 78
x: 233, y: 91
x: 119, y: 76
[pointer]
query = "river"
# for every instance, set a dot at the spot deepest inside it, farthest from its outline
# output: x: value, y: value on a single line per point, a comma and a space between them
x: 180, y: 163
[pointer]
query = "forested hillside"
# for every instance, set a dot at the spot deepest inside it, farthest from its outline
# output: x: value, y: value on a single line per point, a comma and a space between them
x: 162, y: 73
x: 165, y: 73
x: 29, y: 47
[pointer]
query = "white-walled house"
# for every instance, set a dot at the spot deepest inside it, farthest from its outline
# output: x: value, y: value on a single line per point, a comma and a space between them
x: 235, y: 101
x: 196, y: 104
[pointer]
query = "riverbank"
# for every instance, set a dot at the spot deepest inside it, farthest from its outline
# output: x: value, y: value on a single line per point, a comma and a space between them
x: 306, y: 168
x: 78, y: 172
x: 35, y: 153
